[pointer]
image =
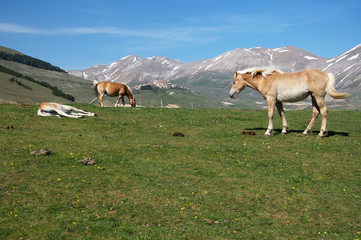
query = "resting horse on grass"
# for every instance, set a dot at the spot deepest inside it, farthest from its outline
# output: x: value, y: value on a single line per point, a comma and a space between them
x: 277, y: 87
x: 59, y: 110
x: 113, y: 90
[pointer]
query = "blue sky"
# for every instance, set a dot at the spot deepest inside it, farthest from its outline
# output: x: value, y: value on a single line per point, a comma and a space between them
x: 78, y: 34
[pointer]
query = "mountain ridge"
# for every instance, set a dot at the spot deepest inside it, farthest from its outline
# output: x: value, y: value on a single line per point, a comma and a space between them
x: 212, y: 77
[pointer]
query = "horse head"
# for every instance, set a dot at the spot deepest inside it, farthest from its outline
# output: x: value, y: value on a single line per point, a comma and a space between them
x: 130, y: 95
x: 132, y: 102
x: 238, y: 84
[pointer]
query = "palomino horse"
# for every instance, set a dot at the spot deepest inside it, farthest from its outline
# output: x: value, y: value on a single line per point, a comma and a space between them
x: 59, y: 110
x: 113, y: 90
x: 277, y: 87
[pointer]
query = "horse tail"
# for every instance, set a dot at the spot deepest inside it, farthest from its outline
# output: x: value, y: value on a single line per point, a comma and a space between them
x: 330, y: 88
x: 95, y: 87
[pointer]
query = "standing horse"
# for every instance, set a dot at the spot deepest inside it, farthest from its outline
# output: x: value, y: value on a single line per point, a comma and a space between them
x: 277, y: 87
x: 113, y: 90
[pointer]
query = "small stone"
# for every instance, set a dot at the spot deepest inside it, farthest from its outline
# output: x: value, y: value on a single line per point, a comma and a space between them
x: 178, y: 134
x: 41, y: 151
x: 208, y: 221
x: 88, y: 161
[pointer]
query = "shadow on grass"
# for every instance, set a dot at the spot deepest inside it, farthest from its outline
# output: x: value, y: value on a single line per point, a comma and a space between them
x: 278, y: 131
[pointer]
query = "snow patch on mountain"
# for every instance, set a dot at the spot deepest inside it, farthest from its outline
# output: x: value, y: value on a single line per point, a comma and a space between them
x: 353, y: 57
x: 310, y: 58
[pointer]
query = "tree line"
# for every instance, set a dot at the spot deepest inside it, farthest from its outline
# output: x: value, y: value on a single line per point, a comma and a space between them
x: 30, y: 61
x: 56, y: 92
x: 20, y: 83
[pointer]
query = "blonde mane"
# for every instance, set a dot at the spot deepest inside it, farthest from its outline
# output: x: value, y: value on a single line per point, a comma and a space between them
x: 264, y: 71
x: 128, y: 88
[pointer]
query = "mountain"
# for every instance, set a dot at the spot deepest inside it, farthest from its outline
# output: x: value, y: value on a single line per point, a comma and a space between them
x: 212, y: 77
x: 347, y: 68
x: 21, y: 83
x: 133, y: 69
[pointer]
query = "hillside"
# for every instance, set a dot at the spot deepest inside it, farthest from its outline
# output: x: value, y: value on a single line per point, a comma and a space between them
x: 13, y: 93
x: 14, y: 56
x: 79, y: 88
x: 9, y: 50
x: 83, y: 92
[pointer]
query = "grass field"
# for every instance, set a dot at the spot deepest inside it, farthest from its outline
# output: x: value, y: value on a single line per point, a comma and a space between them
x: 214, y: 183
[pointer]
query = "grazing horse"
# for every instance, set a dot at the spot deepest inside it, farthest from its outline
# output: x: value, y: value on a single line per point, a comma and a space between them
x: 113, y: 90
x: 277, y: 87
x: 59, y: 110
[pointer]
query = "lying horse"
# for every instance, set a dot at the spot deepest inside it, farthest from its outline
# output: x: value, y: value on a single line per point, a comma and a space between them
x: 59, y: 110
x: 113, y: 90
x: 277, y: 87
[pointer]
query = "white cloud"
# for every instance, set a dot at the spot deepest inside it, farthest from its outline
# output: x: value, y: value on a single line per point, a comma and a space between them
x: 176, y: 34
x: 14, y: 28
x: 191, y: 30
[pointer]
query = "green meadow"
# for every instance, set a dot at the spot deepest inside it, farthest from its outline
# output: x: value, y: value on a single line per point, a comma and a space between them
x: 216, y: 182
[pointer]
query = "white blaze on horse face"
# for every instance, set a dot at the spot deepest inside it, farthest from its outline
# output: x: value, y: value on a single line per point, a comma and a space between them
x: 234, y: 92
x: 237, y: 86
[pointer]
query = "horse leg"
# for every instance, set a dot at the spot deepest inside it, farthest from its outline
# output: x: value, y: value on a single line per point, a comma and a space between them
x: 101, y: 95
x: 78, y: 112
x: 118, y: 99
x: 323, y: 109
x: 64, y: 114
x: 123, y: 101
x: 47, y: 114
x: 285, y: 127
x: 315, y: 113
x: 271, y: 105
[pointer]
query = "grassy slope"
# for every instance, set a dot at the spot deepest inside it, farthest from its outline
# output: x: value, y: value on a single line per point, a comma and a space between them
x: 215, y: 183
x: 9, y: 50
x: 80, y: 88
x: 15, y: 93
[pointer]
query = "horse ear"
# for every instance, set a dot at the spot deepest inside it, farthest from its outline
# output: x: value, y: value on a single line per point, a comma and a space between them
x: 235, y: 73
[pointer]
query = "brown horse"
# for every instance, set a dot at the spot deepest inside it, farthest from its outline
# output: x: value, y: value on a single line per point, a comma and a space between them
x: 277, y: 87
x: 113, y: 90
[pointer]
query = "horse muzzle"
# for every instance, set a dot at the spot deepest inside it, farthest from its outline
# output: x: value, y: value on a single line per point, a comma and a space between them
x: 233, y: 93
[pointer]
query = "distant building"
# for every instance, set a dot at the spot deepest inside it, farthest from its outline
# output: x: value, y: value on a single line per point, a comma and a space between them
x: 157, y: 84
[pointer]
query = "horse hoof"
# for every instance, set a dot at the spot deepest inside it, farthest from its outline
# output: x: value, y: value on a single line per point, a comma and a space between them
x: 322, y: 136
